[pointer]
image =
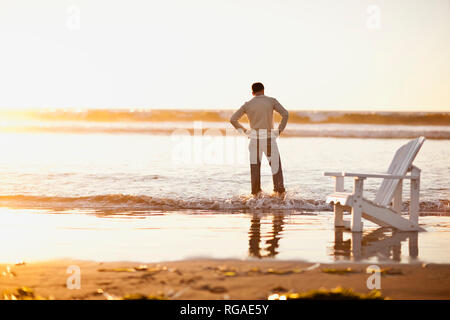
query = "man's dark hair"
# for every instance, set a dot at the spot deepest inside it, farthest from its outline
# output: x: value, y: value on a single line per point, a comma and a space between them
x: 257, y: 87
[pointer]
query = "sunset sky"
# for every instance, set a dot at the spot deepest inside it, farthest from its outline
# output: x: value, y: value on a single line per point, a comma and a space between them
x: 327, y: 54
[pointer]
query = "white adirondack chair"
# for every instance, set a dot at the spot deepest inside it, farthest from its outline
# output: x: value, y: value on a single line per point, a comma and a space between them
x: 385, y: 210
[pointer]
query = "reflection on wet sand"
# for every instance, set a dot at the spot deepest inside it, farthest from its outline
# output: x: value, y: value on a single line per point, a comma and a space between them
x: 384, y: 243
x: 270, y: 250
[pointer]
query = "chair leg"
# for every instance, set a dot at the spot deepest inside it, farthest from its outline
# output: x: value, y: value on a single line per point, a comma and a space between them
x: 414, y: 200
x: 356, y: 225
x: 413, y: 245
x: 339, y: 184
x: 338, y: 209
x: 338, y: 215
x: 356, y: 245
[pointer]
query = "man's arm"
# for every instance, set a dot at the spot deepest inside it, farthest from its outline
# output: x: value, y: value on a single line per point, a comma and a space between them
x: 284, y: 115
x: 235, y: 118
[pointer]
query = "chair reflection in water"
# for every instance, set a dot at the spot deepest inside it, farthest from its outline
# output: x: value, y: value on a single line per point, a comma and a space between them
x: 377, y: 243
x: 255, y: 237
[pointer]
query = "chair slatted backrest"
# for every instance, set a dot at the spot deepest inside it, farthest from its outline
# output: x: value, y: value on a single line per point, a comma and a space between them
x: 402, y: 161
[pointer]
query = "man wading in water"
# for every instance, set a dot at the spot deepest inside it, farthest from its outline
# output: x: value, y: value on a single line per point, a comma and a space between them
x: 259, y: 111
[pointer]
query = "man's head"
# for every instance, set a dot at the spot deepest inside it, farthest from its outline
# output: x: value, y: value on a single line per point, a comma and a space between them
x: 257, y: 88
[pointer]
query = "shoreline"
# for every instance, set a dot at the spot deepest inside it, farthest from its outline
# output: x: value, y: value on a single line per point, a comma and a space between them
x: 206, y: 279
x: 318, y: 132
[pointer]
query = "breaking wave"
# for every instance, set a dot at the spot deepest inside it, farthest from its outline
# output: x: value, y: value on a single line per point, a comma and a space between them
x: 293, y: 130
x: 399, y: 125
x: 125, y: 202
x: 155, y: 115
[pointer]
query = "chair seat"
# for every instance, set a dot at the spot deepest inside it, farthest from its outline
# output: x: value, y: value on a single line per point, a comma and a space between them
x: 376, y: 213
x: 342, y: 198
x: 345, y: 199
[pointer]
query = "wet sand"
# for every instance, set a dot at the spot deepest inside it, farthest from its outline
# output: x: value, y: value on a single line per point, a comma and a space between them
x: 219, y: 279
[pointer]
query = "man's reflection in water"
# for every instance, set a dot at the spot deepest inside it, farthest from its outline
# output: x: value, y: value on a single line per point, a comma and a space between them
x: 272, y: 242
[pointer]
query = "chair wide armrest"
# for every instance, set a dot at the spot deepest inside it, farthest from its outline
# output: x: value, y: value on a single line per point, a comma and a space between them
x: 368, y: 175
x: 333, y: 174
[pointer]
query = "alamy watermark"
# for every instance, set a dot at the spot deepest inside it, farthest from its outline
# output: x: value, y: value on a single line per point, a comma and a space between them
x: 373, y: 17
x: 74, y: 280
x: 73, y: 17
x: 374, y: 280
x: 214, y: 146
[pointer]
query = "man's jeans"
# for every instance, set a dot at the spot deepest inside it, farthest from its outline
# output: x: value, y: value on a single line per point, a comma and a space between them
x: 261, y: 142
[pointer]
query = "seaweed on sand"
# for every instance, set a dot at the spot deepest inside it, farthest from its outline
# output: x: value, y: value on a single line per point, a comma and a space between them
x: 338, y: 293
x: 22, y: 293
x: 340, y: 271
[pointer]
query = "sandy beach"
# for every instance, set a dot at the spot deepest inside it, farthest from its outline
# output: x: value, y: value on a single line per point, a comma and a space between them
x: 216, y: 279
x: 215, y: 153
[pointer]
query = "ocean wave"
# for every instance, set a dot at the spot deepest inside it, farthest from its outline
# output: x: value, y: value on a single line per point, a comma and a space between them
x: 225, y: 129
x: 303, y: 117
x: 125, y: 202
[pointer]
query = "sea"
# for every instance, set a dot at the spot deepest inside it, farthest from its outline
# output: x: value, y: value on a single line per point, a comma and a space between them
x: 160, y: 185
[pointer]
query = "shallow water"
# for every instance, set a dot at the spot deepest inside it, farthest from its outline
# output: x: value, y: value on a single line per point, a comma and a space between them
x: 185, y: 172
x: 109, y: 197
x: 31, y: 235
